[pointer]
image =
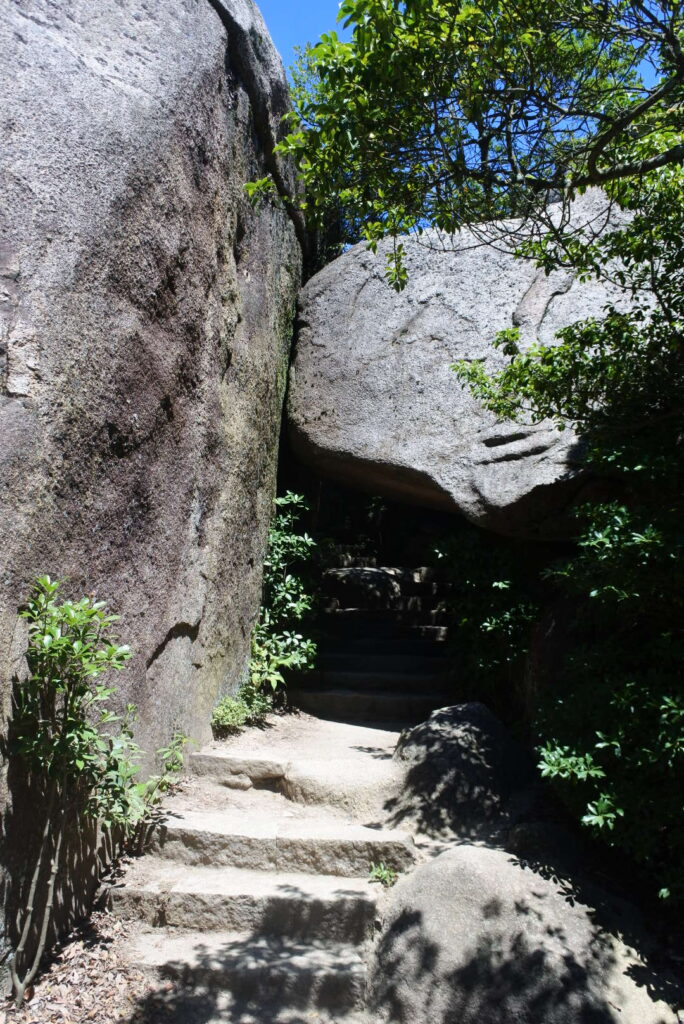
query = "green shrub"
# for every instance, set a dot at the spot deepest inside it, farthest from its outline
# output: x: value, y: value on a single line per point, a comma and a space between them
x: 229, y: 715
x: 277, y: 644
x: 77, y: 751
x: 273, y: 652
x: 495, y: 598
x: 249, y: 706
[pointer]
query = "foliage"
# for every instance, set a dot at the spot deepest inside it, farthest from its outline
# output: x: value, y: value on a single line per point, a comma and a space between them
x: 613, y: 736
x: 273, y: 652
x: 448, y: 112
x: 65, y: 732
x: 383, y: 874
x: 276, y: 646
x: 285, y: 594
x: 495, y: 600
x: 261, y: 191
x: 248, y: 707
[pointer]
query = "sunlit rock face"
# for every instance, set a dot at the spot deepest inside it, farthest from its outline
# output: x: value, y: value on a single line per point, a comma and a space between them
x: 145, y: 325
x: 373, y: 400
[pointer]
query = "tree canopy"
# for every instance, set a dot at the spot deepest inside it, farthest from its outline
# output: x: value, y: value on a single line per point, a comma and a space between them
x: 443, y: 112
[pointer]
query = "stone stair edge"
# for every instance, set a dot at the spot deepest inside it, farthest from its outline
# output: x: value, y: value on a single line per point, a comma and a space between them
x: 155, y: 945
x: 183, y: 876
x: 300, y: 906
x: 311, y: 827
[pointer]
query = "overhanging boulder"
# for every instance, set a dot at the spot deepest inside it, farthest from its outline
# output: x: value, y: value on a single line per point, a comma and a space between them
x: 373, y: 402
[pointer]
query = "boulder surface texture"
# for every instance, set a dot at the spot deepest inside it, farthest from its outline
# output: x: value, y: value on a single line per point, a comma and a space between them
x: 145, y: 325
x: 475, y: 937
x: 373, y: 400
x: 465, y: 774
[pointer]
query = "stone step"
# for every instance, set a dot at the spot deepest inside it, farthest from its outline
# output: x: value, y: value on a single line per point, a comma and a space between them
x: 390, y: 638
x: 240, y: 771
x: 376, y: 620
x: 411, y: 610
x: 357, y: 783
x: 201, y: 1004
x: 345, y: 705
x: 249, y: 840
x: 428, y: 662
x: 367, y: 682
x: 270, y: 973
x: 346, y: 766
x: 168, y: 894
x: 423, y: 579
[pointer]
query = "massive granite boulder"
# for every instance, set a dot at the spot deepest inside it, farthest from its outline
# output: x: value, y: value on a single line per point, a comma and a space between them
x: 372, y: 399
x: 477, y: 937
x: 145, y: 319
x: 145, y: 326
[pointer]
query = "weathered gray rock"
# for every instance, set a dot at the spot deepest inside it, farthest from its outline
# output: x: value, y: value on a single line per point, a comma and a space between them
x: 373, y: 401
x: 145, y: 322
x: 465, y: 774
x: 474, y: 937
x: 145, y: 326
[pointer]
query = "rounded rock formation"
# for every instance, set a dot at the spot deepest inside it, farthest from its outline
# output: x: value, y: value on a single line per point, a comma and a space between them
x: 373, y: 401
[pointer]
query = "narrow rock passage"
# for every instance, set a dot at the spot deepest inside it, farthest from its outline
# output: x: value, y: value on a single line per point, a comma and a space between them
x: 255, y: 900
x: 382, y: 651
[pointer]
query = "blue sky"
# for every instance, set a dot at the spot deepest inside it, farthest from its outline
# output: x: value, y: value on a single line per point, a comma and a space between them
x: 296, y: 22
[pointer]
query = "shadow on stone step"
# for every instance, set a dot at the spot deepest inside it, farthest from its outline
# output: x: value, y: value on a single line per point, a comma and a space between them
x: 377, y: 753
x: 248, y: 980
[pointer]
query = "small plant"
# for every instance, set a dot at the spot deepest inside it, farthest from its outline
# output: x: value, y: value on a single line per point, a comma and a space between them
x: 383, y: 874
x: 272, y: 652
x: 276, y: 643
x: 276, y: 646
x: 249, y: 706
x: 64, y: 732
x: 261, y: 191
x: 229, y: 715
x: 152, y: 791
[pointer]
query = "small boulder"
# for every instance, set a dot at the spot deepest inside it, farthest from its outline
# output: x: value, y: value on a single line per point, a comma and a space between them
x: 465, y: 774
x: 473, y: 937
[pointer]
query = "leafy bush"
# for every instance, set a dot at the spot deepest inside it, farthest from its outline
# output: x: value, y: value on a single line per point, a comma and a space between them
x: 272, y: 652
x: 611, y: 734
x: 494, y: 599
x: 78, y: 752
x: 229, y: 715
x: 247, y: 707
x: 275, y: 646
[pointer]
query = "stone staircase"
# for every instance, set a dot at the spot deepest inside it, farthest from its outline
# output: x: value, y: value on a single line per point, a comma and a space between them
x: 382, y: 648
x: 254, y: 904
